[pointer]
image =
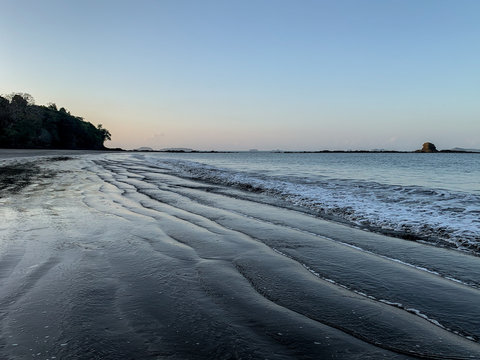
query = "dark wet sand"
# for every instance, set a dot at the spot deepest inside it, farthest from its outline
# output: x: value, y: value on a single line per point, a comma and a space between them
x: 22, y: 153
x: 111, y: 259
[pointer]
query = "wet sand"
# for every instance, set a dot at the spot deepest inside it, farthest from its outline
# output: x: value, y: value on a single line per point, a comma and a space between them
x: 114, y: 259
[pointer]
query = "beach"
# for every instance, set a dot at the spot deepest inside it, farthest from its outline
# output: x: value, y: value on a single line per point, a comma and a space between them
x: 111, y: 256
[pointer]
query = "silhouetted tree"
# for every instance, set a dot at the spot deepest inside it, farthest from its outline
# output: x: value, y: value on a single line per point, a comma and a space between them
x: 23, y: 96
x: 104, y: 132
x: 25, y: 125
x: 52, y: 106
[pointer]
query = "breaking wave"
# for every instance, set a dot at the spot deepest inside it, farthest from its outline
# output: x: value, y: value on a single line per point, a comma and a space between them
x: 445, y: 217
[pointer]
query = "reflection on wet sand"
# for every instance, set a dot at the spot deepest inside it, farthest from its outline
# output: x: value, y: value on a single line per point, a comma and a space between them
x: 112, y: 258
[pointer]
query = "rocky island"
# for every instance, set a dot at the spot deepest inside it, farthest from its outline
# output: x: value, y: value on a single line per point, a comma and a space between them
x: 428, y: 147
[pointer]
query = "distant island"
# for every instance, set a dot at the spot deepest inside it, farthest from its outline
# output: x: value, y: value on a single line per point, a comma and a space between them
x: 425, y: 149
x: 428, y: 147
x: 26, y: 125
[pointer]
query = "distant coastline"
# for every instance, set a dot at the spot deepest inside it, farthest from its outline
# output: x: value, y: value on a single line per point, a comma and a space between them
x: 427, y: 147
x: 456, y: 151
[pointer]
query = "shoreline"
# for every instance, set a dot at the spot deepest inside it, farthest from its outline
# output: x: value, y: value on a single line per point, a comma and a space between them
x: 22, y: 153
x: 114, y: 258
x: 8, y: 155
x: 305, y: 152
x: 12, y: 153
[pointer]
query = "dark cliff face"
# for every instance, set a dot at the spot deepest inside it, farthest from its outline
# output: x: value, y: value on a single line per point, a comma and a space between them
x: 428, y: 147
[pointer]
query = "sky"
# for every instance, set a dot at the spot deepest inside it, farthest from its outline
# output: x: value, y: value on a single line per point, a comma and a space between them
x: 241, y: 74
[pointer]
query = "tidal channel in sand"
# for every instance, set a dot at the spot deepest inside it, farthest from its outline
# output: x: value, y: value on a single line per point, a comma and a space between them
x: 109, y: 257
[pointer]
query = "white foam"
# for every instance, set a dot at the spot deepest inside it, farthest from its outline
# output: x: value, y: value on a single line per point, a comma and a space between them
x: 434, y: 214
x: 419, y: 313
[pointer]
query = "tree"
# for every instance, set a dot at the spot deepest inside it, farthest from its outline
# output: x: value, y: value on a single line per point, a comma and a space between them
x: 104, y: 133
x: 18, y: 100
x: 25, y: 125
x: 17, y: 95
x: 52, y: 106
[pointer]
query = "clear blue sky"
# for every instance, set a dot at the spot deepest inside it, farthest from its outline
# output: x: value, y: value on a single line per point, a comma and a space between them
x: 239, y: 74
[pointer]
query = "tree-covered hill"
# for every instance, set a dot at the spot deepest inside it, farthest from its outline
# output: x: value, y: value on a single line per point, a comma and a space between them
x: 26, y: 125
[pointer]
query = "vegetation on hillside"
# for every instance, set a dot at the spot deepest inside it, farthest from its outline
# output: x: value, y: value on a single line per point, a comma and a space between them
x: 26, y: 125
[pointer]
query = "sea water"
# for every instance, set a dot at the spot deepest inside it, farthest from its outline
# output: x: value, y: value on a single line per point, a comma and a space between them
x: 426, y: 197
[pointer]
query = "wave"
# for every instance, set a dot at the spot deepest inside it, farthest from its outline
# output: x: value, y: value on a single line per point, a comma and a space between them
x: 443, y: 217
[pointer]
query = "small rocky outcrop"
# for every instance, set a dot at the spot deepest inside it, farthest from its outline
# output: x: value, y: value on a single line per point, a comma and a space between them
x: 428, y: 147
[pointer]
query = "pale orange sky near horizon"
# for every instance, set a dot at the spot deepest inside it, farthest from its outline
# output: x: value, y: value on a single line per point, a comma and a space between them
x: 266, y: 75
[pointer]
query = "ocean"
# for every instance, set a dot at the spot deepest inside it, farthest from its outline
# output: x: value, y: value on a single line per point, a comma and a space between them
x: 433, y: 198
